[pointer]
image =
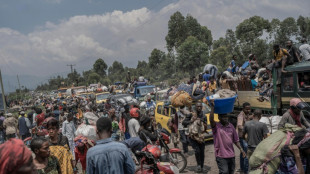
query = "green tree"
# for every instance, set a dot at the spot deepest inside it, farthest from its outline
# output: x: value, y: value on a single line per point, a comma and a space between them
x: 156, y: 58
x: 177, y: 31
x: 191, y: 55
x: 221, y: 58
x: 100, y: 67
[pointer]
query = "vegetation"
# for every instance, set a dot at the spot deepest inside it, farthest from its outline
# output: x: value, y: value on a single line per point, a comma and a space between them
x: 190, y: 46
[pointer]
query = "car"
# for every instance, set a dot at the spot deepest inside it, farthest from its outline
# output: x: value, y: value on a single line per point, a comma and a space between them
x: 164, y: 110
x: 88, y: 95
x: 102, y: 97
x: 122, y: 99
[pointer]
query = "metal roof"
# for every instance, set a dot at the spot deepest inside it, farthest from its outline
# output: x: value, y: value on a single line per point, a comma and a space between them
x: 301, y: 66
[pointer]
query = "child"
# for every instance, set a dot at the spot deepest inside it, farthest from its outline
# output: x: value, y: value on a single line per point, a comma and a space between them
x: 68, y: 130
x: 44, y: 162
x: 82, y: 144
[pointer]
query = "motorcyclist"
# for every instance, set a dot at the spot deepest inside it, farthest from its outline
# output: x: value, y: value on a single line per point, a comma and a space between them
x: 146, y: 130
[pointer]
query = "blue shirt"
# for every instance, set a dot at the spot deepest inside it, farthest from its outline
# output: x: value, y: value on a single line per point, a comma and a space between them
x: 109, y: 157
x: 254, y: 84
x: 206, y: 77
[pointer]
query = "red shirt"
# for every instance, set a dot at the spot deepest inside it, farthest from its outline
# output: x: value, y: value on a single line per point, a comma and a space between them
x: 80, y: 156
x: 40, y: 118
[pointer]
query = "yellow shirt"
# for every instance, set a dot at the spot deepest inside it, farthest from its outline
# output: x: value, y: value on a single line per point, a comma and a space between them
x: 281, y: 54
x: 212, y: 86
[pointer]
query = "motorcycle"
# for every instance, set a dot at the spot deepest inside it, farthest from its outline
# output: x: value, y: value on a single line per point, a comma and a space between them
x: 173, y: 155
x: 150, y: 163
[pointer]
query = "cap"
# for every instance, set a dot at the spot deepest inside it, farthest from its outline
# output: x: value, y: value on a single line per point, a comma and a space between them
x: 22, y: 112
x: 297, y: 103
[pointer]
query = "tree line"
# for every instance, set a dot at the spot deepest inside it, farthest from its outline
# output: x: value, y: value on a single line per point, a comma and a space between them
x: 190, y: 46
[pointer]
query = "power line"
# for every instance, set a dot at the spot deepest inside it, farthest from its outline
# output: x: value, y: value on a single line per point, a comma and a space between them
x: 71, y: 66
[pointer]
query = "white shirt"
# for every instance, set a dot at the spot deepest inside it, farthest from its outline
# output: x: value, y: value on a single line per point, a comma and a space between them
x: 305, y: 51
x: 133, y: 126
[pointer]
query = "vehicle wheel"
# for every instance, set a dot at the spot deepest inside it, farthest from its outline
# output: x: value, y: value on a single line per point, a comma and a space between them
x: 179, y: 160
x: 159, y: 126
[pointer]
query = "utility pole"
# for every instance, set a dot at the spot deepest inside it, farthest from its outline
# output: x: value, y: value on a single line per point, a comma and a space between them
x: 20, y: 92
x: 2, y: 90
x: 71, y: 66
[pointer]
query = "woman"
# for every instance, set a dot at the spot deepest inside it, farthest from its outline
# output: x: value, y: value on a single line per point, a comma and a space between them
x: 59, y: 147
x: 82, y: 144
x: 44, y: 162
x: 15, y: 158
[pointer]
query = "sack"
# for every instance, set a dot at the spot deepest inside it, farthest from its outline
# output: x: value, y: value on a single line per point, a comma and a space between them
x: 87, y: 131
x: 266, y: 156
x: 271, y: 122
x: 196, y: 131
x: 181, y: 98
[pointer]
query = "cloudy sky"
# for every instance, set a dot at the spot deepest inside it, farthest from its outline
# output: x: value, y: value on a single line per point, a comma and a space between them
x: 40, y: 37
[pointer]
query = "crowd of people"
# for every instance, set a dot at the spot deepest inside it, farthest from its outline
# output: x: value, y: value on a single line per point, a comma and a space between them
x: 51, y: 125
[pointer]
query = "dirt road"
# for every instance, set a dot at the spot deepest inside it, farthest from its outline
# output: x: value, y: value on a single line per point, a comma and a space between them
x: 210, y: 165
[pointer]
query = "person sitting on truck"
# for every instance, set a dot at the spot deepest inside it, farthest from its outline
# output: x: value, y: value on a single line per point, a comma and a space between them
x: 206, y: 76
x: 212, y: 85
x: 305, y: 83
x: 294, y: 115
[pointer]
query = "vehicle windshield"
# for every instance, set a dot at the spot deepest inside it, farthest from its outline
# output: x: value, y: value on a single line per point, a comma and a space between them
x: 145, y: 91
x: 102, y: 96
x: 62, y: 90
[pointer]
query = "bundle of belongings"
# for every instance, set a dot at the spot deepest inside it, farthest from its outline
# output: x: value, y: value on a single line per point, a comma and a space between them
x: 186, y: 95
x: 273, y: 156
x: 88, y: 127
x: 272, y: 122
x: 226, y: 93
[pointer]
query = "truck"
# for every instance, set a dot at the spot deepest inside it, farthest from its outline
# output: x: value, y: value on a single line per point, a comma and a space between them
x: 141, y: 89
x: 292, y: 86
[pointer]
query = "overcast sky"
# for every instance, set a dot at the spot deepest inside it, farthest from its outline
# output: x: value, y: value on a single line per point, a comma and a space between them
x: 40, y: 37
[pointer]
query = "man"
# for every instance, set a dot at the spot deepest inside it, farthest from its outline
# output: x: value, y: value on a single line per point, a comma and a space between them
x: 2, y: 132
x: 24, y: 126
x: 146, y: 131
x: 133, y: 124
x: 242, y: 118
x: 224, y: 136
x: 305, y: 50
x: 212, y: 85
x: 108, y: 156
x: 56, y: 112
x: 255, y: 131
x: 212, y: 70
x: 233, y: 65
x: 198, y: 146
x: 292, y: 50
x: 10, y: 126
x: 280, y: 57
x: 68, y: 130
x: 150, y: 103
x: 294, y: 115
x: 181, y: 128
x: 206, y: 76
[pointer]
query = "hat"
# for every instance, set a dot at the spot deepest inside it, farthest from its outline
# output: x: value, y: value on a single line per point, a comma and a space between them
x: 297, y: 103
x: 22, y: 112
x: 145, y: 120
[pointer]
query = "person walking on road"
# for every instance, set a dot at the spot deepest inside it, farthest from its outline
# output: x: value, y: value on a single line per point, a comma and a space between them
x: 68, y: 130
x: 224, y: 136
x: 10, y: 126
x: 133, y: 123
x: 256, y: 131
x: 24, y: 125
x: 242, y: 118
x: 108, y: 156
x: 197, y: 143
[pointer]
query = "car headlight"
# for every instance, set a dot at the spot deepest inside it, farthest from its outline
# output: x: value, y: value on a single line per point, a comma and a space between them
x: 174, y: 169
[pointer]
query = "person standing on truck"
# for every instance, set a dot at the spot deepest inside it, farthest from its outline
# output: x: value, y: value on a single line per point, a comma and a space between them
x: 280, y: 57
x: 245, y: 115
x: 294, y: 115
x: 256, y: 131
x: 224, y: 136
x: 305, y: 50
x: 292, y: 50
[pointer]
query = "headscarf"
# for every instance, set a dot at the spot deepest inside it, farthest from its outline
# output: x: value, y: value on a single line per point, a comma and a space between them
x: 14, y: 154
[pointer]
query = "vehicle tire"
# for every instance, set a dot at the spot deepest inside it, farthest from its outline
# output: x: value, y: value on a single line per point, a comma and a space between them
x: 159, y: 126
x: 181, y: 160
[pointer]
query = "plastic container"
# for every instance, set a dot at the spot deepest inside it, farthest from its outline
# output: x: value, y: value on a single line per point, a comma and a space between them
x: 215, y: 96
x: 223, y: 105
